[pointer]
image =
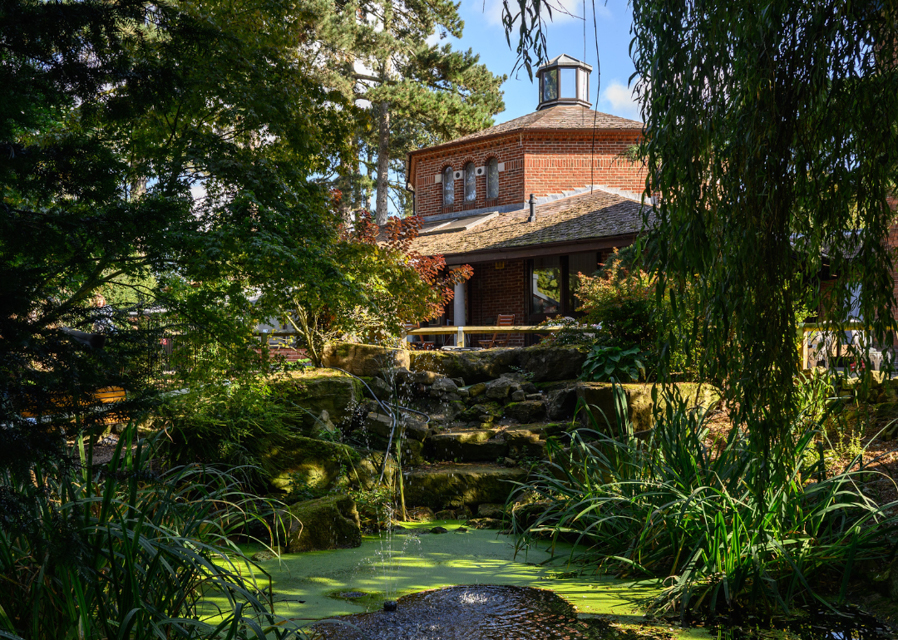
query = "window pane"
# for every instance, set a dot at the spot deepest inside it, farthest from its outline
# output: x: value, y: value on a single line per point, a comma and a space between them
x: 492, y: 179
x: 585, y: 262
x: 583, y: 88
x: 550, y: 85
x: 470, y: 183
x: 545, y: 287
x: 568, y: 83
x: 448, y: 186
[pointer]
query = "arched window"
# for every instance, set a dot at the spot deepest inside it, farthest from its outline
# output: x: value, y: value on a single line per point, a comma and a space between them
x: 470, y: 183
x: 492, y: 179
x: 448, y: 186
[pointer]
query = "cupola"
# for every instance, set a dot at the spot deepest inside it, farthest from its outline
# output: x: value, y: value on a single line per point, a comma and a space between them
x: 563, y: 80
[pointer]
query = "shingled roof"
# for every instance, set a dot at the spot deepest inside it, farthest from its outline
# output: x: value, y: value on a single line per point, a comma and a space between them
x: 577, y: 218
x: 563, y: 116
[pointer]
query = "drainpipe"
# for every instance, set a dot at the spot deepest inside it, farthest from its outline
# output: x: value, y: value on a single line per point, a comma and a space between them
x: 532, y: 217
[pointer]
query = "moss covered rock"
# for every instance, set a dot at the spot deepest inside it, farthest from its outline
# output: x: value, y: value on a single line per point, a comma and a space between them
x: 318, y: 390
x: 454, y: 485
x: 544, y: 363
x: 316, y: 464
x: 331, y: 522
x: 600, y: 398
x: 364, y: 359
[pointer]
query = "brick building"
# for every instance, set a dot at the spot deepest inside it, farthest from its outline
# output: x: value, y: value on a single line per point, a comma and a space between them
x: 475, y: 193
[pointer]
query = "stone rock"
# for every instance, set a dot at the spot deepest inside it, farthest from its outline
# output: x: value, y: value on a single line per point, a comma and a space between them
x: 550, y: 363
x: 412, y: 452
x: 367, y: 471
x: 379, y: 424
x: 325, y: 424
x: 364, y: 359
x: 459, y: 382
x: 529, y: 387
x: 415, y: 427
x: 331, y: 522
x: 317, y: 464
x: 425, y: 377
x: 444, y: 385
x: 453, y: 485
x: 562, y: 403
x: 519, y: 396
x: 526, y: 411
x: 439, y: 530
x: 488, y: 510
x: 379, y: 388
x: 534, y: 396
x: 484, y: 523
x: 316, y: 391
x: 600, y: 398
x: 466, y: 446
x: 477, y: 389
x: 482, y: 412
x: 420, y: 514
x: 501, y: 388
x: 445, y: 514
x: 462, y: 393
x: 261, y: 556
x: 545, y: 363
x: 452, y: 397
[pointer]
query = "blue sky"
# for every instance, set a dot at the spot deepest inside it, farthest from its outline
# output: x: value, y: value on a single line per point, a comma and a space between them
x: 483, y: 33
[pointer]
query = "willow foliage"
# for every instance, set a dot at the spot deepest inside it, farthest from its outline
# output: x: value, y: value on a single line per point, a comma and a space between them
x: 771, y: 140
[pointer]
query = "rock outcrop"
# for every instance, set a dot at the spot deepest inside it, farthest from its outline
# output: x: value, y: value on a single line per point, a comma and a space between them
x: 331, y: 522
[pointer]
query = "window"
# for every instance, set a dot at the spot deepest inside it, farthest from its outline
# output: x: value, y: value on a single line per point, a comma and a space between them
x: 545, y: 286
x: 492, y: 179
x: 470, y: 183
x: 448, y: 186
x: 568, y: 82
x: 550, y: 85
x: 586, y: 263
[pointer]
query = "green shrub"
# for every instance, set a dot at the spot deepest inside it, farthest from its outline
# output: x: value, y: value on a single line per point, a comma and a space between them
x: 122, y: 551
x: 613, y: 364
x: 233, y: 425
x: 669, y: 507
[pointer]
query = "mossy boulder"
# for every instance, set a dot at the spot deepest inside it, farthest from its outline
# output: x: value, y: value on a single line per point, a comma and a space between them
x: 316, y: 464
x: 364, y: 359
x: 331, y: 522
x: 466, y: 446
x: 600, y: 398
x: 318, y: 390
x: 526, y: 411
x: 455, y: 485
x: 543, y: 363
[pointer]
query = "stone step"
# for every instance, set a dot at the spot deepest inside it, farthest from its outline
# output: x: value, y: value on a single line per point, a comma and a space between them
x: 455, y: 485
x: 488, y: 445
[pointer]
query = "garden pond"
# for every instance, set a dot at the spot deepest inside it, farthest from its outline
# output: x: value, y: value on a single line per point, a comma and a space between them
x: 470, y: 584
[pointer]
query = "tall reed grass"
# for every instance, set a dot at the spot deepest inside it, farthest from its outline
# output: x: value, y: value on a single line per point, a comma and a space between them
x: 673, y: 507
x: 122, y: 551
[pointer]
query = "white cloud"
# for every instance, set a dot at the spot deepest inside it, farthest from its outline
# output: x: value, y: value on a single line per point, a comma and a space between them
x: 622, y: 100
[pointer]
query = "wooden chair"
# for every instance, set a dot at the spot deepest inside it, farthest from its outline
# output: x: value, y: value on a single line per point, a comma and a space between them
x: 502, y: 320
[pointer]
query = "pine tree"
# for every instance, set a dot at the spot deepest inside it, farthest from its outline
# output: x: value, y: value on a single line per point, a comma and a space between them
x: 407, y: 93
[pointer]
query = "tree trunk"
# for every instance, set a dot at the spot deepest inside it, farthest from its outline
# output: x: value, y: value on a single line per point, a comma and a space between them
x: 383, y: 162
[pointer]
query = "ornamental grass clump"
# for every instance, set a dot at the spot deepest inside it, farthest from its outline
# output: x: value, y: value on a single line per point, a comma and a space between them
x: 121, y: 550
x: 674, y: 508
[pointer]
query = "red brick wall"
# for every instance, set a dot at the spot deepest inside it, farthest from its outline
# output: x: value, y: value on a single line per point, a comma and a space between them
x: 556, y: 162
x: 429, y: 194
x: 538, y: 163
x: 492, y: 291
